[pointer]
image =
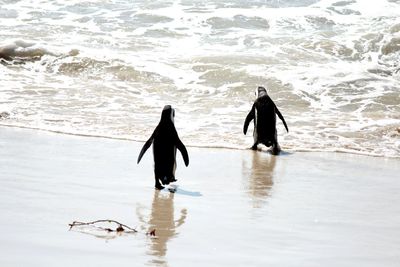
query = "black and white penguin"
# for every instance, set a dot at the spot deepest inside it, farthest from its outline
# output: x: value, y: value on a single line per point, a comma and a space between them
x: 263, y: 113
x: 165, y: 141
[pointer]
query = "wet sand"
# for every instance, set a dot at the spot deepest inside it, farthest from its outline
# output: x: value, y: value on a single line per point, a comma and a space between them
x: 231, y: 208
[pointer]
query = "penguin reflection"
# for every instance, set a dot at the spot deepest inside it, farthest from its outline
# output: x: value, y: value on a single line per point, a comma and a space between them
x: 260, y: 177
x: 163, y: 221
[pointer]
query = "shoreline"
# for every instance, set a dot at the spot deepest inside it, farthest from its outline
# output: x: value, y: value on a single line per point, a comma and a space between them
x: 231, y: 207
x: 263, y: 149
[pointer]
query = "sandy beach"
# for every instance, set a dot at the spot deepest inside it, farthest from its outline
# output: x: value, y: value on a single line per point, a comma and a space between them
x: 231, y: 208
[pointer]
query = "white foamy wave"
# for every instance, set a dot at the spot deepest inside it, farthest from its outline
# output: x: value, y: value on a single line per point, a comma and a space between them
x: 107, y: 69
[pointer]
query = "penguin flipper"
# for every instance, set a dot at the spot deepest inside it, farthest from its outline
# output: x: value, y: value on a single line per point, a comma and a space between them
x: 249, y: 118
x: 182, y: 149
x: 281, y: 117
x: 144, y: 148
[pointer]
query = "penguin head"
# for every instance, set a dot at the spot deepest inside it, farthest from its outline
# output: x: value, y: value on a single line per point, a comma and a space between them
x: 261, y: 91
x: 168, y: 114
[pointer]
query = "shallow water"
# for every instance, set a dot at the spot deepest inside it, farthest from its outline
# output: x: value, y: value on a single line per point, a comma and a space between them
x: 107, y: 68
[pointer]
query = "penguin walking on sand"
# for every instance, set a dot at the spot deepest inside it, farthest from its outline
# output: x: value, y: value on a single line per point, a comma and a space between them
x: 165, y: 141
x: 263, y: 113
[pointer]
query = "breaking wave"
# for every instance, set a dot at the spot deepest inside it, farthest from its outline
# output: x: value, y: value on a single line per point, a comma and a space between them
x: 107, y: 69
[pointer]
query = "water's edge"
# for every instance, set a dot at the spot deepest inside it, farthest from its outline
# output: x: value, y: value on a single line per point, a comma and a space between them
x: 284, y: 149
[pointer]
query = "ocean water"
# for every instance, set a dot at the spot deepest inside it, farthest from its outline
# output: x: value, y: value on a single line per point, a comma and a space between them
x: 107, y: 68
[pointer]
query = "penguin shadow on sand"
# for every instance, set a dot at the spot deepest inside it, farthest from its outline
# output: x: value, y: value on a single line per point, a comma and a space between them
x: 163, y: 224
x: 258, y: 170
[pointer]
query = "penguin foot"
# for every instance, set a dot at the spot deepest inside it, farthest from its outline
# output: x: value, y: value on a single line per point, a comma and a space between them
x: 165, y: 180
x: 254, y: 147
x: 276, y: 150
x: 172, y: 190
x: 159, y: 187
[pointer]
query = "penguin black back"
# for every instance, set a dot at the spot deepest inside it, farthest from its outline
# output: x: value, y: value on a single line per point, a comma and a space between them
x: 263, y: 113
x: 165, y: 141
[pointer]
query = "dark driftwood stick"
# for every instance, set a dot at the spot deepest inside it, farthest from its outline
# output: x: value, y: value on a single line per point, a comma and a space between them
x: 119, y: 229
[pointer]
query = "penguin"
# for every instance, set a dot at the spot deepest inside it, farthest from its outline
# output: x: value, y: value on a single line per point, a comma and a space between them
x: 165, y: 141
x: 263, y: 113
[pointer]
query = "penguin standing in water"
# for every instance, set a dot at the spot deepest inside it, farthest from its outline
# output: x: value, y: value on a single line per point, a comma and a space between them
x: 165, y: 141
x: 263, y: 113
